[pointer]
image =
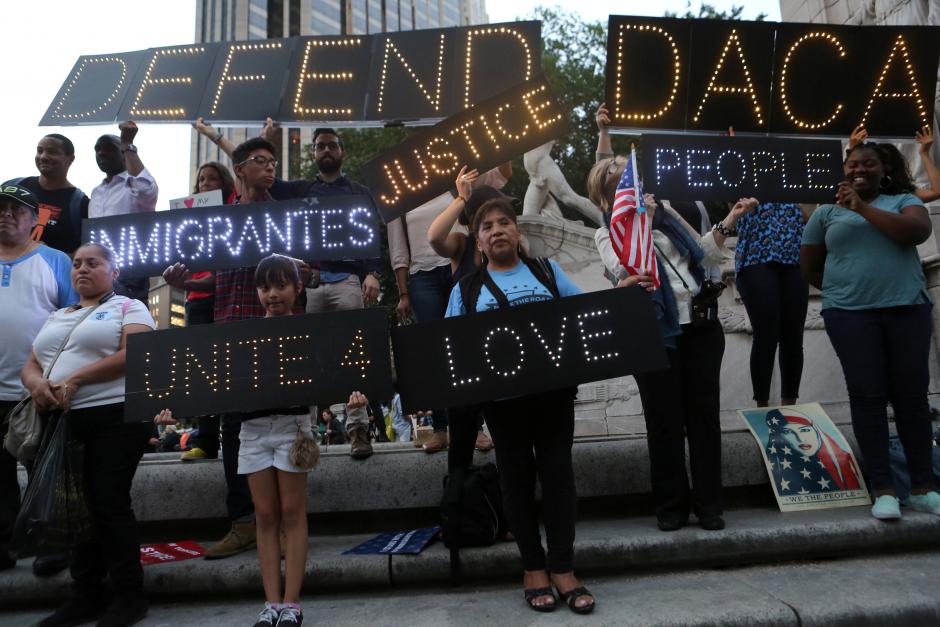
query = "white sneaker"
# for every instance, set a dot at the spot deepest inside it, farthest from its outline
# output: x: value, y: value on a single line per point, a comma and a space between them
x: 886, y: 507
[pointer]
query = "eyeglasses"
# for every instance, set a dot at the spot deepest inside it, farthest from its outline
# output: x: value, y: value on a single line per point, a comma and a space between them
x: 259, y: 160
x: 326, y: 145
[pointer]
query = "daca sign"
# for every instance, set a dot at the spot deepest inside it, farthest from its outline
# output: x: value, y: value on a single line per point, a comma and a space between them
x: 404, y: 76
x: 233, y: 236
x: 763, y: 77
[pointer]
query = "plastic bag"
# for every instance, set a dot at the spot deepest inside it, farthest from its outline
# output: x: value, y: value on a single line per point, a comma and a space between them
x: 54, y: 515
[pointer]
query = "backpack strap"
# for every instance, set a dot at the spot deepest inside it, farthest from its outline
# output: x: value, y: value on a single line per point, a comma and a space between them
x: 542, y: 269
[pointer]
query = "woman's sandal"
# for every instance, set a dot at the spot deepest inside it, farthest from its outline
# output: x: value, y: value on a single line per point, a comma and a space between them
x: 571, y: 597
x: 531, y: 594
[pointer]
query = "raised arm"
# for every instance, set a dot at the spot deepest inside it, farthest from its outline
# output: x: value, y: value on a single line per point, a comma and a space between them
x: 215, y: 136
x: 925, y: 139
x: 604, y: 147
x: 443, y: 240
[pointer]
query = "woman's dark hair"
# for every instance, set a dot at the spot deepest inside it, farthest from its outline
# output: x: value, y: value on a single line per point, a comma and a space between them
x: 478, y: 197
x: 106, y: 252
x: 501, y: 205
x: 228, y: 182
x: 276, y: 269
x: 326, y: 410
x: 898, y: 178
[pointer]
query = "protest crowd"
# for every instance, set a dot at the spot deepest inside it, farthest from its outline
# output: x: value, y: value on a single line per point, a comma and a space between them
x: 66, y: 313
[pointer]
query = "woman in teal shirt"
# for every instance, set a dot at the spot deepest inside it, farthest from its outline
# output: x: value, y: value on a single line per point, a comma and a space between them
x: 862, y: 253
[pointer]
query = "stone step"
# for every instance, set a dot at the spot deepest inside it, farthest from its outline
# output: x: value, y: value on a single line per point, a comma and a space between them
x: 857, y: 592
x: 603, y: 547
x: 400, y: 477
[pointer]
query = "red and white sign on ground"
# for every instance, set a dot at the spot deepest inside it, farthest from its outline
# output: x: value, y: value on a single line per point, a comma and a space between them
x: 171, y: 552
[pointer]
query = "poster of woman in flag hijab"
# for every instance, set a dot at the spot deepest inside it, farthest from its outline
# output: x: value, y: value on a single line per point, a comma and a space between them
x: 809, y: 462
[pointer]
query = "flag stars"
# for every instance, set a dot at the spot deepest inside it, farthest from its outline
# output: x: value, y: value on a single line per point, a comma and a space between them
x: 786, y: 464
x: 823, y: 483
x: 806, y: 474
x: 784, y: 484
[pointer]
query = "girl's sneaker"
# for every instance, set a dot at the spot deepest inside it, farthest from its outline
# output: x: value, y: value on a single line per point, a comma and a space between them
x: 268, y: 617
x: 929, y: 502
x: 291, y: 616
x: 886, y: 507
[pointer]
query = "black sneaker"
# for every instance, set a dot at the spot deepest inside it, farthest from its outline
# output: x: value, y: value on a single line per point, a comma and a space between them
x: 268, y: 617
x: 290, y: 617
x: 77, y: 609
x: 124, y: 611
x: 48, y: 565
x: 669, y: 521
x: 6, y: 561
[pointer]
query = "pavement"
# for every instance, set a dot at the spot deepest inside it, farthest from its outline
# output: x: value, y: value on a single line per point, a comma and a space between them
x: 899, y: 590
x: 604, y: 546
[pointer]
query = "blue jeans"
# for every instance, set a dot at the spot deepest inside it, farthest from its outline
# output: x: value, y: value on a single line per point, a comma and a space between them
x: 884, y: 355
x: 429, y: 291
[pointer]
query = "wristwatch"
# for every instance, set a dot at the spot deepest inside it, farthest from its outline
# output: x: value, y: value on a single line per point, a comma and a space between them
x: 377, y: 275
x: 129, y: 148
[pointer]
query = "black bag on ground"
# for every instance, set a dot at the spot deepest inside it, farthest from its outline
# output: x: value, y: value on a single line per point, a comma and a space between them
x: 54, y: 515
x: 471, y: 511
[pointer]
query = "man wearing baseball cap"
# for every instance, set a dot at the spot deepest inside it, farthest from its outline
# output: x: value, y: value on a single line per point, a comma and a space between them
x: 35, y: 280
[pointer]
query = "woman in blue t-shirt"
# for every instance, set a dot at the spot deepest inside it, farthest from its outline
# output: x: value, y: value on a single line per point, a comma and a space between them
x: 862, y: 253
x: 533, y: 434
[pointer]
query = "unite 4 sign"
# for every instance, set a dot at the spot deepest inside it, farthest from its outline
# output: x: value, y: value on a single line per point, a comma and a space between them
x: 404, y: 76
x: 777, y: 78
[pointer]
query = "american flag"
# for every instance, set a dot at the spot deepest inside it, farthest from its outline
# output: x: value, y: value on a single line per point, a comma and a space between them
x: 631, y: 227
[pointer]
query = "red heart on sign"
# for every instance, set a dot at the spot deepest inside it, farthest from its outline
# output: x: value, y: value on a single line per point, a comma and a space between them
x: 188, y: 202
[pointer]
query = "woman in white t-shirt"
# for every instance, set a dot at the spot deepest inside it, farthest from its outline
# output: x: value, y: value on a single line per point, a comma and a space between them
x: 87, y: 382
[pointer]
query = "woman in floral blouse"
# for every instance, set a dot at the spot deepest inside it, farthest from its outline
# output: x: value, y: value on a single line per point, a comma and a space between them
x: 767, y: 263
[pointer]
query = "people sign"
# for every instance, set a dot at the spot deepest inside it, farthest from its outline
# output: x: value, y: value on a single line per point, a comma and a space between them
x: 763, y: 77
x: 402, y: 76
x: 773, y: 169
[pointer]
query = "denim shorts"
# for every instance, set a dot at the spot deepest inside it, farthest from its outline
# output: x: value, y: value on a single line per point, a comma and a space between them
x: 266, y: 442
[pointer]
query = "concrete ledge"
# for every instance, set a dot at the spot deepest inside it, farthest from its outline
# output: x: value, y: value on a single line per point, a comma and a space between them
x: 400, y: 477
x: 603, y: 546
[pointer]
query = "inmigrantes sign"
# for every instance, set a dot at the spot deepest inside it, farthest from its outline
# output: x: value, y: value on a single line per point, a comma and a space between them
x: 323, y: 228
x: 258, y: 364
x: 771, y: 169
x: 404, y: 76
x: 766, y: 77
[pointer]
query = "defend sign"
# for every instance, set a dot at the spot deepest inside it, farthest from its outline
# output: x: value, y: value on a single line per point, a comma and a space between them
x: 234, y: 236
x: 425, y: 165
x: 764, y: 77
x: 258, y: 364
x: 402, y: 76
x: 697, y: 167
x: 527, y: 349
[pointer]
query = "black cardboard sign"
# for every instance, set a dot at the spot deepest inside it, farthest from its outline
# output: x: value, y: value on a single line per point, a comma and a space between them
x: 702, y: 167
x: 231, y: 236
x: 776, y: 78
x: 527, y: 349
x: 258, y: 364
x: 490, y: 133
x: 405, y: 76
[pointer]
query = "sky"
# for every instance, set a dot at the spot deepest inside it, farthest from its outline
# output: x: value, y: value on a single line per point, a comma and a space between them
x: 38, y: 54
